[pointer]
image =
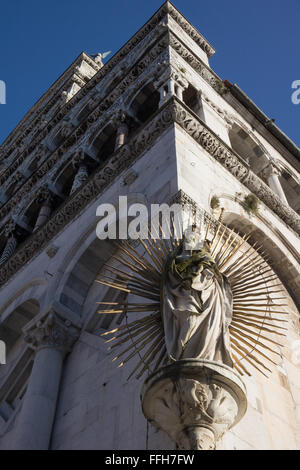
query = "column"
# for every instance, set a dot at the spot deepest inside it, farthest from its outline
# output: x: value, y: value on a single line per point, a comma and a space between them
x: 12, y: 241
x: 162, y: 93
x: 171, y: 88
x: 272, y: 173
x: 45, y: 210
x: 122, y: 133
x: 51, y: 338
x: 9, y: 248
x: 80, y: 177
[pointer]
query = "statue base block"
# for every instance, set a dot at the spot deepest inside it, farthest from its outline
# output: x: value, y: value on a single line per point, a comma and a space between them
x: 194, y: 401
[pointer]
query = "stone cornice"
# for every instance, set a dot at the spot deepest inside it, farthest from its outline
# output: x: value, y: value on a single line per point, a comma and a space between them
x: 190, y: 30
x: 172, y: 112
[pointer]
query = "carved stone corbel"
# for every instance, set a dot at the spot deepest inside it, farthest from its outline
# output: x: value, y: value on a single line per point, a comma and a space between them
x: 194, y: 401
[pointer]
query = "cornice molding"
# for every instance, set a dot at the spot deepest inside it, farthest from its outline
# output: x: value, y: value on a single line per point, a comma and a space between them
x: 172, y: 112
x: 190, y: 30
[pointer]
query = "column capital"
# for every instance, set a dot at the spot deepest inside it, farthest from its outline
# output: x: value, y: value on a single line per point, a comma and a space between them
x: 51, y: 331
x: 78, y: 158
x: 271, y: 170
x: 171, y: 73
x: 119, y: 119
x: 44, y: 194
x: 9, y: 228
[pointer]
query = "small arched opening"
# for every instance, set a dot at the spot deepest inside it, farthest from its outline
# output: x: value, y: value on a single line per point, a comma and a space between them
x: 190, y: 97
x: 291, y: 188
x: 103, y: 143
x: 280, y: 263
x: 247, y: 148
x: 145, y: 103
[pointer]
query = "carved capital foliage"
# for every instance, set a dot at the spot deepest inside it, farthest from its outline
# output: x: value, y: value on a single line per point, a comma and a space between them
x: 9, y: 228
x: 43, y: 193
x: 271, y: 170
x: 78, y: 158
x: 66, y: 128
x: 171, y: 73
x: 52, y: 332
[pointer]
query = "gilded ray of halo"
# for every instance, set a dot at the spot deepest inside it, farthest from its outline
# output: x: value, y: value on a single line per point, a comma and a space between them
x: 250, y: 277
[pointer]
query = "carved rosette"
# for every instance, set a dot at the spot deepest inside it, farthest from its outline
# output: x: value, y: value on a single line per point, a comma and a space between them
x: 52, y: 332
x: 195, y: 402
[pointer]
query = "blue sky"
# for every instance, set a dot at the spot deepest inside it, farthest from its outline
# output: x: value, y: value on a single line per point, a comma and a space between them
x: 257, y: 44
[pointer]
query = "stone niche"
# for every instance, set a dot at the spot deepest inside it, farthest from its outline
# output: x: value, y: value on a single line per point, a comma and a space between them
x: 194, y: 401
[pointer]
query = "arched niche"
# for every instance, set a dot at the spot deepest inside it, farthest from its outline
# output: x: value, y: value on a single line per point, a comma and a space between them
x: 30, y: 214
x: 145, y: 103
x: 83, y: 113
x: 291, y: 187
x: 282, y: 265
x: 103, y: 142
x: 63, y: 179
x: 190, y: 97
x: 83, y: 274
x: 247, y: 148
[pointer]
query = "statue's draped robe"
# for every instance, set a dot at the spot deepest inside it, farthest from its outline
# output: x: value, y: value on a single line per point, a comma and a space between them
x: 197, y: 308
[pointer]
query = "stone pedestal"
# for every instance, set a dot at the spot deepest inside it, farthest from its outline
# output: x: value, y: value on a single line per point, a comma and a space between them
x: 194, y: 401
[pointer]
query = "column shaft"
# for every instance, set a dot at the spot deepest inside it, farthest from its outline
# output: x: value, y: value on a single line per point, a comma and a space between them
x: 275, y: 185
x: 122, y: 134
x: 44, y: 215
x: 80, y: 177
x: 35, y: 421
x: 10, y: 247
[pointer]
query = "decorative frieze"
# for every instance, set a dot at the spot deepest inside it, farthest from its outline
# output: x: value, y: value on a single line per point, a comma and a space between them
x: 172, y: 112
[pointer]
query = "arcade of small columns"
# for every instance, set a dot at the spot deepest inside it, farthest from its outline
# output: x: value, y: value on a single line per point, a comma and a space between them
x: 171, y: 83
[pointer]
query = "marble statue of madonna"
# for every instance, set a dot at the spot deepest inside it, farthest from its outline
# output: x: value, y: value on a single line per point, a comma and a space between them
x: 196, y: 303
